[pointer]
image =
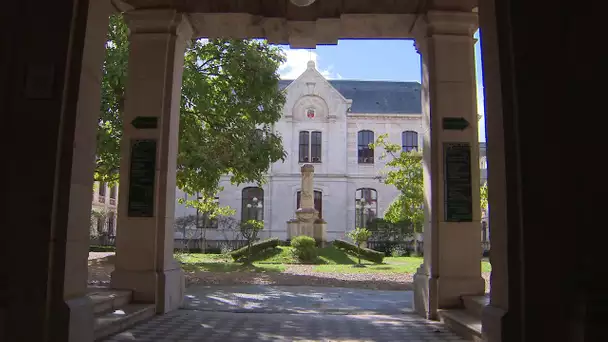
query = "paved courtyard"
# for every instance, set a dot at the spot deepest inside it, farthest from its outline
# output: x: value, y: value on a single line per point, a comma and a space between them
x: 289, y: 313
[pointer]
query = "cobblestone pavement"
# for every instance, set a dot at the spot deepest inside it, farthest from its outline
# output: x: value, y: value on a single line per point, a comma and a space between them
x: 193, y: 325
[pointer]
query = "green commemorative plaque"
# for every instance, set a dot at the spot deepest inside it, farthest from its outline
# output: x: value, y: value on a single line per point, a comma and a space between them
x: 458, y: 187
x: 142, y: 174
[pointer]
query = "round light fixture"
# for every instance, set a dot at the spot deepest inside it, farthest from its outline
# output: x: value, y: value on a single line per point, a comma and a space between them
x: 302, y: 3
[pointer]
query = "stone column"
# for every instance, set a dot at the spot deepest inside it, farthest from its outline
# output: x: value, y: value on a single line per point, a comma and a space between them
x: 307, y: 214
x: 52, y: 96
x: 144, y: 241
x: 452, y: 248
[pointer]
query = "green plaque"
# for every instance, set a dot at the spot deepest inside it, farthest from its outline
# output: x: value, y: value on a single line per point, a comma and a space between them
x: 457, y: 177
x: 142, y: 175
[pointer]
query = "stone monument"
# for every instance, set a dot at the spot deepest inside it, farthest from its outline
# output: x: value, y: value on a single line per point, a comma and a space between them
x: 307, y: 221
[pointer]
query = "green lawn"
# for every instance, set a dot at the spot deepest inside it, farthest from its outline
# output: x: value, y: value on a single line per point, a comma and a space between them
x: 330, y: 260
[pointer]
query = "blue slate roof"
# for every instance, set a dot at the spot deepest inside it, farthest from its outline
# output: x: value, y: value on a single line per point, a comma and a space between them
x: 381, y: 97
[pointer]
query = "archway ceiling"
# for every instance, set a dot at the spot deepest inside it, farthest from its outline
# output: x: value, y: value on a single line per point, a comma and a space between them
x: 323, y: 22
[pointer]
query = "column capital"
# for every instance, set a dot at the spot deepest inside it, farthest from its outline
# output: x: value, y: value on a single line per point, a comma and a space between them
x: 159, y: 21
x: 444, y: 23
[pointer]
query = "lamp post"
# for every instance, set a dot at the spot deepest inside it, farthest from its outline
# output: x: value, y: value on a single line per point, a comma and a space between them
x: 256, y: 206
x: 362, y: 206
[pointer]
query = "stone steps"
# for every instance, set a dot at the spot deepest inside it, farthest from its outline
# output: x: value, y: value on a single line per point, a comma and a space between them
x: 466, y: 322
x: 114, y: 312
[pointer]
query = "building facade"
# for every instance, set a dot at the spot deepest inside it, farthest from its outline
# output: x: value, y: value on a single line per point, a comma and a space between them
x: 329, y: 123
x: 103, y: 213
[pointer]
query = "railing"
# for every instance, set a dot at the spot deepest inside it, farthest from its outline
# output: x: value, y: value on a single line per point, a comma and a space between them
x: 101, y: 199
x: 388, y: 246
x: 210, y: 245
x: 112, y: 201
x: 103, y: 240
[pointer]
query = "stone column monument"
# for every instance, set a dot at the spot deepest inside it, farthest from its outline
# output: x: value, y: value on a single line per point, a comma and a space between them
x: 307, y: 220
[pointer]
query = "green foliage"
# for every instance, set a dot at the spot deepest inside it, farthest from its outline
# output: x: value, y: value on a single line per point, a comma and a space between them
x: 398, y: 251
x: 97, y: 248
x: 360, y: 235
x: 304, y: 248
x: 249, y: 230
x: 483, y: 196
x: 404, y: 171
x: 254, y: 249
x: 365, y: 253
x: 230, y: 99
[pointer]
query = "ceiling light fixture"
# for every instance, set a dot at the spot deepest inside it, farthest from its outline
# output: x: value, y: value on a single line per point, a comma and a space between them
x: 302, y: 3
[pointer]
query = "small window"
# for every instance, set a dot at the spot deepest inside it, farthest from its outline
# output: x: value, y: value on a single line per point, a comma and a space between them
x: 310, y: 147
x: 409, y: 141
x: 365, y: 152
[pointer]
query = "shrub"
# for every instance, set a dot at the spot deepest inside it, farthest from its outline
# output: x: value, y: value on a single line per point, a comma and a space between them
x: 398, y: 251
x: 304, y: 248
x: 97, y: 248
x: 256, y: 248
x: 366, y: 253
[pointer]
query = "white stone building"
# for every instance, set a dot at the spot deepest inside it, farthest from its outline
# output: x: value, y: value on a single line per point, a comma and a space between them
x: 329, y: 124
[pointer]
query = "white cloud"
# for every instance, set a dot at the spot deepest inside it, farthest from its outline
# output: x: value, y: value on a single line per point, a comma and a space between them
x: 296, y: 63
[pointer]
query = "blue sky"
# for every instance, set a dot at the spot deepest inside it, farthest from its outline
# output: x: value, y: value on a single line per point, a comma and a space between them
x: 389, y: 60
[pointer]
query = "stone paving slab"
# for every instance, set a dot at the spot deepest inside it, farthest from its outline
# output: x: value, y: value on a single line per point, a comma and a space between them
x: 193, y: 325
x: 297, y: 299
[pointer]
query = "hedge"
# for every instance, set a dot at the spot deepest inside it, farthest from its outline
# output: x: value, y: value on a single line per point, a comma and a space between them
x: 366, y: 253
x: 98, y: 248
x: 255, y: 248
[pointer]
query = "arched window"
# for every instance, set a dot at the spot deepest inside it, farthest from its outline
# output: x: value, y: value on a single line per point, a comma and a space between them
x: 318, y: 198
x: 310, y: 147
x: 252, y: 204
x: 366, y: 207
x: 409, y: 141
x: 366, y: 153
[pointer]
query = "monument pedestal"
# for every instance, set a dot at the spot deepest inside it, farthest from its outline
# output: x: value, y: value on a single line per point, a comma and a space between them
x: 307, y: 221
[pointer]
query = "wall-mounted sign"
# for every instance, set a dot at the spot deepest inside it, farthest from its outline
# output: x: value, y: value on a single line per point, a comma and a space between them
x: 457, y: 177
x: 454, y: 123
x: 145, y: 122
x: 142, y: 175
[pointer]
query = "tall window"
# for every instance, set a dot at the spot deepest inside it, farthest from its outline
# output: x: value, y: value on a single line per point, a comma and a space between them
x: 310, y: 147
x: 366, y: 207
x: 318, y: 198
x: 409, y: 141
x: 252, y: 205
x: 366, y: 153
x: 111, y: 219
x: 113, y: 192
x: 102, y: 189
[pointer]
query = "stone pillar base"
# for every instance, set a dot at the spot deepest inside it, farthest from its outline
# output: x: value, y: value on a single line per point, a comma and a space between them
x: 170, y: 285
x: 492, y: 321
x: 80, y: 319
x: 431, y: 294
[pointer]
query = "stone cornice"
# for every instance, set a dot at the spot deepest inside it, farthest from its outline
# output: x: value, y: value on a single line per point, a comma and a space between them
x: 159, y: 21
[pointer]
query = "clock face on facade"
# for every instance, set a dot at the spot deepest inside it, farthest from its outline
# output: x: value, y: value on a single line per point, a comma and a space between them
x: 310, y: 113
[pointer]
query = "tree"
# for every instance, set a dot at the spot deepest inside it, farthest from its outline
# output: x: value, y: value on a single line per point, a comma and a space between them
x: 405, y: 173
x: 483, y: 196
x: 249, y: 231
x: 359, y: 236
x: 230, y: 100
